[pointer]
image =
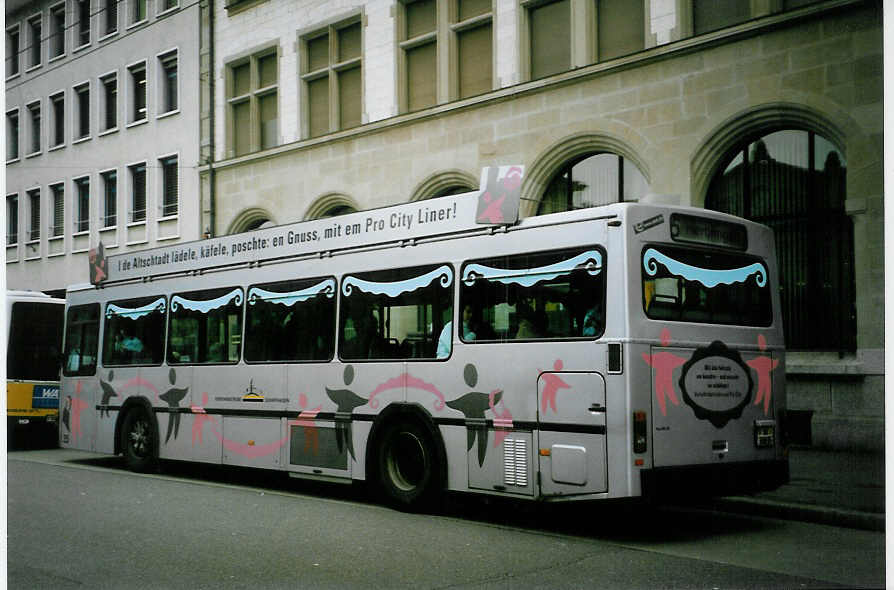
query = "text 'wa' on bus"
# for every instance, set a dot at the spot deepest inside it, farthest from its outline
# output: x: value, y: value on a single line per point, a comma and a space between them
x: 34, y: 323
x: 620, y: 351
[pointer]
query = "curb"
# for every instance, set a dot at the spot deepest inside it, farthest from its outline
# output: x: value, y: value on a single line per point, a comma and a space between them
x: 854, y: 519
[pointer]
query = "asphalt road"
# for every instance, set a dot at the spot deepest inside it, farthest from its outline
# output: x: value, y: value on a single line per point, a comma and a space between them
x: 77, y: 520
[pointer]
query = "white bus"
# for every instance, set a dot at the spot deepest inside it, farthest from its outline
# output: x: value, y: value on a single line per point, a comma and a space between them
x: 33, y: 344
x: 619, y: 351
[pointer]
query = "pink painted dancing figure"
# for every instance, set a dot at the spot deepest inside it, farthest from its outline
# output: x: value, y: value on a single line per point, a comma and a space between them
x: 664, y: 364
x: 77, y: 405
x: 763, y: 366
x: 200, y: 419
x: 553, y: 383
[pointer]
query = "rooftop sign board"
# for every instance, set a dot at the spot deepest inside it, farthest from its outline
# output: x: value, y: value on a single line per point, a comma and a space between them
x: 496, y: 203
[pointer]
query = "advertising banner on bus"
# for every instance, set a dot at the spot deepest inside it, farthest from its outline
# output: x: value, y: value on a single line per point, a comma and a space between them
x: 495, y: 203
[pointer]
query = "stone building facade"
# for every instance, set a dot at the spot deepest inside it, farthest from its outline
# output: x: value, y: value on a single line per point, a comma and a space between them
x: 344, y: 105
x: 101, y: 133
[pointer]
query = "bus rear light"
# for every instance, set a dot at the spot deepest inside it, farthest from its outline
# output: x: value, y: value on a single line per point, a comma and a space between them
x: 764, y: 434
x: 640, y: 432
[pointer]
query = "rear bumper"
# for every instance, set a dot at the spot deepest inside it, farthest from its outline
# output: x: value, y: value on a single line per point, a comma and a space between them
x: 721, y: 479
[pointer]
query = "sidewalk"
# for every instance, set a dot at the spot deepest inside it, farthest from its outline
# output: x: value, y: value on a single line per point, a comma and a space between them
x: 829, y: 487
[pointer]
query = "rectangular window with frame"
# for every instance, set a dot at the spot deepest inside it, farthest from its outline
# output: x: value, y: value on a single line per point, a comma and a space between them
x: 554, y: 295
x: 170, y: 186
x: 419, y: 46
x: 35, y: 29
x: 58, y: 194
x: 110, y: 101
x: 621, y: 26
x: 110, y: 198
x: 137, y: 192
x: 138, y: 91
x: 395, y: 314
x: 252, y: 98
x: 550, y: 38
x: 82, y: 94
x: 82, y: 187
x: 34, y: 215
x: 81, y: 340
x: 709, y: 15
x: 168, y: 72
x: 83, y: 22
x: 58, y: 103
x: 12, y: 219
x: 332, y: 76
x: 134, y: 332
x: 110, y: 16
x: 12, y: 135
x: 34, y: 114
x: 12, y: 51
x: 57, y: 30
x: 474, y: 47
x: 137, y: 11
x: 206, y: 327
x: 291, y: 321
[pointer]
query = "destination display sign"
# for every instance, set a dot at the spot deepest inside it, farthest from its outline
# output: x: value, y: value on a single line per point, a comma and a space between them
x: 495, y: 203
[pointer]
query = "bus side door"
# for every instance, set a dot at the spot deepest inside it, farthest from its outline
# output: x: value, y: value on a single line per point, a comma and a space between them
x: 572, y: 423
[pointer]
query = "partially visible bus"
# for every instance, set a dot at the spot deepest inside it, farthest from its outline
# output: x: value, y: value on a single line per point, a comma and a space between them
x: 33, y: 346
x: 621, y: 351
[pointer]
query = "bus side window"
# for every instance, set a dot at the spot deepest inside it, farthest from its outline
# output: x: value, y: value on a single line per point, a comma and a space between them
x: 290, y: 321
x: 81, y: 340
x: 396, y: 314
x: 206, y: 326
x: 133, y: 332
x: 538, y: 296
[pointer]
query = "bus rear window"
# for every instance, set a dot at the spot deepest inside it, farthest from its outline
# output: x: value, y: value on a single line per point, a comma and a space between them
x: 689, y: 285
x: 35, y: 341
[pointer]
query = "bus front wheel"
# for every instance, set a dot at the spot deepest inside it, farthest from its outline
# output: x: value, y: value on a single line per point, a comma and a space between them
x: 139, y: 441
x: 406, y: 465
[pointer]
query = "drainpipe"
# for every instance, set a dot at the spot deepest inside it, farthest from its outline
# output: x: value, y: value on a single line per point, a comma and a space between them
x: 212, y: 173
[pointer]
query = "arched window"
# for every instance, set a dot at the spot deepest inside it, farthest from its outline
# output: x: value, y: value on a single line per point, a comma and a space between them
x: 794, y: 182
x: 337, y: 210
x: 591, y: 180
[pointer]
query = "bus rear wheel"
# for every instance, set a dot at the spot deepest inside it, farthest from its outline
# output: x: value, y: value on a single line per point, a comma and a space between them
x: 406, y: 465
x: 139, y: 441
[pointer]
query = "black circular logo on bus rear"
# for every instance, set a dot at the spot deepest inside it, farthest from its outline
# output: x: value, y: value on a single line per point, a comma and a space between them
x: 716, y: 384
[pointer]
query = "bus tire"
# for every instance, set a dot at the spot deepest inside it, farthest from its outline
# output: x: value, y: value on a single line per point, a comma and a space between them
x: 139, y: 441
x: 405, y: 465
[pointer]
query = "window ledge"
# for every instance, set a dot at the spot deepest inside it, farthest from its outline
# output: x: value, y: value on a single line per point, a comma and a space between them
x: 56, y: 58
x: 131, y: 224
x: 168, y: 11
x: 57, y: 147
x: 137, y: 123
x: 107, y: 36
x: 14, y: 76
x: 81, y: 47
x: 81, y: 140
x: 107, y: 132
x: 168, y: 114
x: 34, y: 154
x: 864, y: 362
x: 139, y: 23
x: 32, y: 68
x: 13, y: 161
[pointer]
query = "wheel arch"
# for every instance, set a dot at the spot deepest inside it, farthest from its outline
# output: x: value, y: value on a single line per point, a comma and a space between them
x: 127, y: 407
x: 406, y: 411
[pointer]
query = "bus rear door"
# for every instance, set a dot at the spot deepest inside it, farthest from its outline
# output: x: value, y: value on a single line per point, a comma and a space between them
x: 572, y: 433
